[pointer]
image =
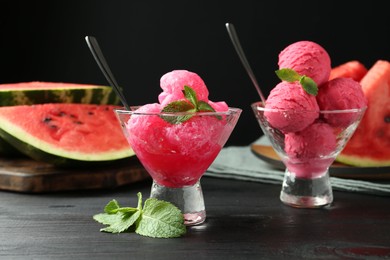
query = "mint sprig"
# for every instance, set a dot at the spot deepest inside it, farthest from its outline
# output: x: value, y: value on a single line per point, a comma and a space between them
x: 192, y: 105
x: 306, y: 82
x: 158, y: 218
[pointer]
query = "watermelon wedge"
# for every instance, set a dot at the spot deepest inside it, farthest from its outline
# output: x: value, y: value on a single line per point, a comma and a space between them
x: 40, y: 92
x: 370, y: 144
x: 65, y: 134
x: 351, y: 69
x: 37, y: 92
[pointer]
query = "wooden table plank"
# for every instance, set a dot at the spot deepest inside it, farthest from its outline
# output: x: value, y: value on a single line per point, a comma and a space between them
x: 245, y: 220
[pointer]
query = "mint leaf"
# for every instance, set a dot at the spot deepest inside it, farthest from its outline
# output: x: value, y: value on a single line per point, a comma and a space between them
x: 105, y: 218
x: 175, y: 120
x: 204, y: 107
x: 190, y: 95
x: 183, y: 106
x: 288, y: 75
x: 177, y: 106
x: 121, y: 222
x: 160, y: 219
x: 139, y: 195
x: 127, y: 210
x: 309, y: 85
x: 111, y: 207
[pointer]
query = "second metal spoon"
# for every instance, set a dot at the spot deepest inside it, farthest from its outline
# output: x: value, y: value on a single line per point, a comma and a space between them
x: 103, y: 65
x: 236, y: 43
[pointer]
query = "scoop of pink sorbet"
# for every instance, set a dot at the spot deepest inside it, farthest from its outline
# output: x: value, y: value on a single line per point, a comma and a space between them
x: 307, y: 58
x: 289, y: 108
x: 341, y: 94
x: 219, y: 106
x: 309, y: 150
x: 316, y: 140
x: 183, y: 138
x: 173, y: 84
x: 175, y: 155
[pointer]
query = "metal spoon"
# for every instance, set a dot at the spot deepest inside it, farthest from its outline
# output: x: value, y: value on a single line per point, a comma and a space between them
x: 103, y: 65
x: 236, y: 43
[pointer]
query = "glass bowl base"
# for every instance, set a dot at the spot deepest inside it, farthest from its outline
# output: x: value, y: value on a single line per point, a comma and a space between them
x: 305, y: 202
x: 194, y: 218
x: 306, y: 192
x: 189, y: 199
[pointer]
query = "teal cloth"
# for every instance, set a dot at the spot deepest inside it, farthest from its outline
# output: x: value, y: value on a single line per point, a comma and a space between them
x: 239, y: 162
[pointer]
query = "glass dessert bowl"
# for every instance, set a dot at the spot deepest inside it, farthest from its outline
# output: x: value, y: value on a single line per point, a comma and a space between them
x: 176, y: 149
x: 309, y: 152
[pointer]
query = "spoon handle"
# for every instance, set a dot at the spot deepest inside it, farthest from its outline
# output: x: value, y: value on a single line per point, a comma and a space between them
x: 237, y: 45
x: 103, y: 65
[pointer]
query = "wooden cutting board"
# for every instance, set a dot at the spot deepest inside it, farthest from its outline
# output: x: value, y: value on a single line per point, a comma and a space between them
x: 30, y: 176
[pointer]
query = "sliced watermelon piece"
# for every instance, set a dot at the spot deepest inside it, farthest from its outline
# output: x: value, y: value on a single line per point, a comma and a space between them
x: 36, y: 92
x: 351, y: 69
x: 39, y: 92
x: 65, y: 134
x: 370, y: 144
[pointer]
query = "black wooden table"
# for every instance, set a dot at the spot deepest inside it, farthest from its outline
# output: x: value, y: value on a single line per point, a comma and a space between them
x: 245, y: 220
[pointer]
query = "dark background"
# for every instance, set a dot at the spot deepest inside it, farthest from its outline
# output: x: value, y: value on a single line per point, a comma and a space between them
x: 144, y: 39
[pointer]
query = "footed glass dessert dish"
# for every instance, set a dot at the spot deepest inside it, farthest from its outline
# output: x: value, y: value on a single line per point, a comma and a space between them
x: 176, y: 149
x: 308, y: 152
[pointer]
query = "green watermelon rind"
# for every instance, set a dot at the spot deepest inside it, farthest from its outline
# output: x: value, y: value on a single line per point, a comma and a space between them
x: 7, y: 149
x: 45, y: 152
x: 361, y: 161
x: 91, y: 95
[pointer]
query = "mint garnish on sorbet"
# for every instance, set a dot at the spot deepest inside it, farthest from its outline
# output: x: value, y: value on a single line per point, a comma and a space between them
x: 158, y: 218
x: 291, y: 75
x: 194, y: 105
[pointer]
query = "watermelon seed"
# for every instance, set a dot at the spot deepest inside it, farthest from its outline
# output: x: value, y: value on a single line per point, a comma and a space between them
x: 90, y: 113
x: 387, y: 119
x: 78, y: 122
x: 47, y: 119
x: 62, y: 113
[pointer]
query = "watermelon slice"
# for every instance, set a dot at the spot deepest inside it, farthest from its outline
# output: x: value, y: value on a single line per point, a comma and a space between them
x: 39, y: 92
x: 351, y: 69
x: 65, y: 134
x: 370, y: 144
x: 36, y: 92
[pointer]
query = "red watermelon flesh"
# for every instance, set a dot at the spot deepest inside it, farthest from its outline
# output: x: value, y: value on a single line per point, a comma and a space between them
x: 351, y: 69
x: 370, y: 144
x: 40, y: 92
x: 65, y: 134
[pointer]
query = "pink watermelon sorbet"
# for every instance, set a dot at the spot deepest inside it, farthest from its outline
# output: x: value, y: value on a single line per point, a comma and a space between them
x: 307, y: 58
x: 309, y: 124
x: 177, y: 155
x: 291, y: 108
x: 341, y: 94
x: 172, y: 84
x: 311, y: 151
